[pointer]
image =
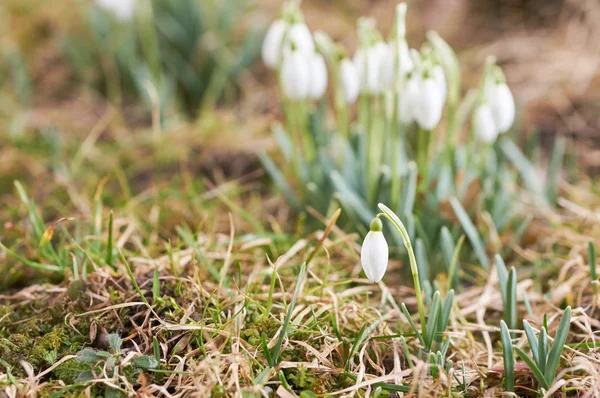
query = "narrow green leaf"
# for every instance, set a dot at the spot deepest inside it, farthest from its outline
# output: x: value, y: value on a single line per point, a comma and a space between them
x: 592, y: 260
x: 542, y: 350
x: 522, y: 164
x: 452, y: 271
x: 533, y: 343
x: 502, y: 277
x: 412, y: 324
x: 445, y: 314
x: 422, y: 260
x: 509, y: 360
x: 448, y: 245
x: 534, y: 368
x: 511, y: 296
x: 558, y: 345
x: 432, y: 319
x: 279, y: 180
x: 471, y: 232
x: 411, y: 189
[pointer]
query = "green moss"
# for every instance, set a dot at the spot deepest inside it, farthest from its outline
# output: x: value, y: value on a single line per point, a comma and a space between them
x: 68, y: 371
x: 301, y: 378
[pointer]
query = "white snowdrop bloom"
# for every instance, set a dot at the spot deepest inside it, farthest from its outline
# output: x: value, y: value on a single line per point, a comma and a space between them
x: 377, y: 56
x: 299, y: 34
x: 429, y: 104
x: 318, y: 75
x: 349, y: 80
x: 370, y: 66
x: 440, y: 78
x: 271, y: 48
x: 502, y: 105
x: 407, y: 99
x: 295, y: 75
x: 484, y: 126
x: 123, y: 10
x: 374, y: 252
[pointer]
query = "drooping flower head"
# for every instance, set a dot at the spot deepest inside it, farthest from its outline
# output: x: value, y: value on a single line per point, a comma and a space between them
x: 374, y: 252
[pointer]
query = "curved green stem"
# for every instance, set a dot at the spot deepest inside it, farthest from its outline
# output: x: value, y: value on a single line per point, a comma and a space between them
x: 393, y: 218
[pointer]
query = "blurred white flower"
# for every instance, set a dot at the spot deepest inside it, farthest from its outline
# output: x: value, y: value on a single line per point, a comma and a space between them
x: 374, y: 252
x: 272, y: 45
x: 295, y: 75
x: 429, y: 104
x: 123, y: 10
x: 318, y: 75
x: 349, y: 80
x: 440, y: 78
x: 370, y: 64
x: 300, y: 36
x: 484, y: 126
x: 397, y: 62
x: 407, y: 100
x: 502, y: 105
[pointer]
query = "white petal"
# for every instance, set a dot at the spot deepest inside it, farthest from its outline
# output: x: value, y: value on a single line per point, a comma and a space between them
x: 374, y: 255
x: 318, y: 76
x: 295, y: 75
x: 484, y: 125
x: 440, y: 78
x: 349, y: 80
x: 271, y: 48
x: 299, y: 34
x: 376, y: 58
x: 429, y: 105
x: 407, y: 100
x: 503, y: 107
x: 405, y: 61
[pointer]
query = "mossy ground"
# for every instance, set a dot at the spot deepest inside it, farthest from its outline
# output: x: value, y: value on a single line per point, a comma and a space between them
x: 216, y: 256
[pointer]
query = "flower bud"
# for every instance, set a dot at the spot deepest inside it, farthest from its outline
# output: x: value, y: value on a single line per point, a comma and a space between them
x: 349, y: 81
x: 123, y: 10
x: 295, y: 75
x: 272, y: 44
x: 318, y: 76
x: 484, y: 126
x: 429, y: 104
x: 300, y: 36
x: 374, y: 252
x: 502, y: 105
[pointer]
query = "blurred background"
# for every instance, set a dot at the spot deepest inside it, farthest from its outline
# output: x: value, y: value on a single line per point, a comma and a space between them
x: 83, y: 70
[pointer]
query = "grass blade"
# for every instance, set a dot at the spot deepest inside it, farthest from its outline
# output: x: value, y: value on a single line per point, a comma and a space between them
x: 432, y: 319
x: 290, y: 310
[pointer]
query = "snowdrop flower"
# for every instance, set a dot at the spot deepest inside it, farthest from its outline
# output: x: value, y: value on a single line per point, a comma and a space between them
x: 374, y: 252
x: 407, y: 100
x: 429, y: 104
x: 349, y: 81
x: 123, y: 10
x: 299, y: 34
x: 484, y: 125
x: 370, y: 64
x: 502, y: 105
x: 318, y: 75
x: 440, y: 78
x: 271, y: 48
x: 295, y: 75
